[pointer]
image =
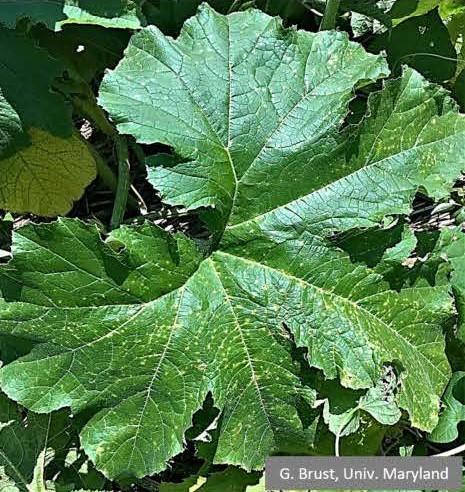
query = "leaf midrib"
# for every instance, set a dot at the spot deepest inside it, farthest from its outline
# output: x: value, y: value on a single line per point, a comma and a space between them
x: 157, y: 371
x: 333, y: 183
x: 254, y: 379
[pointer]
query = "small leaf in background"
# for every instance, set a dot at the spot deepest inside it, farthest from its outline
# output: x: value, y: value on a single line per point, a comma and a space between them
x: 453, y: 11
x: 47, y: 13
x: 86, y: 50
x: 44, y: 167
x: 23, y: 441
x: 123, y: 14
x: 422, y: 42
x: 230, y: 480
x: 26, y: 85
x: 367, y: 15
x: 403, y: 249
x: 10, y: 124
x: 451, y: 250
x: 76, y: 472
x: 47, y: 176
x: 344, y: 409
x: 190, y: 484
x: 405, y: 9
x: 453, y: 412
x: 453, y: 14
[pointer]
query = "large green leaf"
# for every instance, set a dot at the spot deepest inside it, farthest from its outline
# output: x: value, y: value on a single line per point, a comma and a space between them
x: 139, y: 328
x: 261, y: 393
x: 302, y: 90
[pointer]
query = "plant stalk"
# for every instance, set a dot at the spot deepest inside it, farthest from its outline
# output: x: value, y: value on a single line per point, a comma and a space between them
x: 89, y: 108
x: 122, y: 189
x: 453, y: 452
x: 108, y: 177
x: 329, y: 18
x: 85, y: 103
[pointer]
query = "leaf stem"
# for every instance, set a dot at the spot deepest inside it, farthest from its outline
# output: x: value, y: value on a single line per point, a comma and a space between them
x: 329, y: 18
x: 108, y: 177
x: 452, y: 452
x: 84, y: 102
x: 122, y: 189
x: 337, y: 442
x: 337, y: 445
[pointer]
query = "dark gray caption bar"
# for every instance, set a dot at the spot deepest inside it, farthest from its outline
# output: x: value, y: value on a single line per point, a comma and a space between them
x: 410, y: 473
